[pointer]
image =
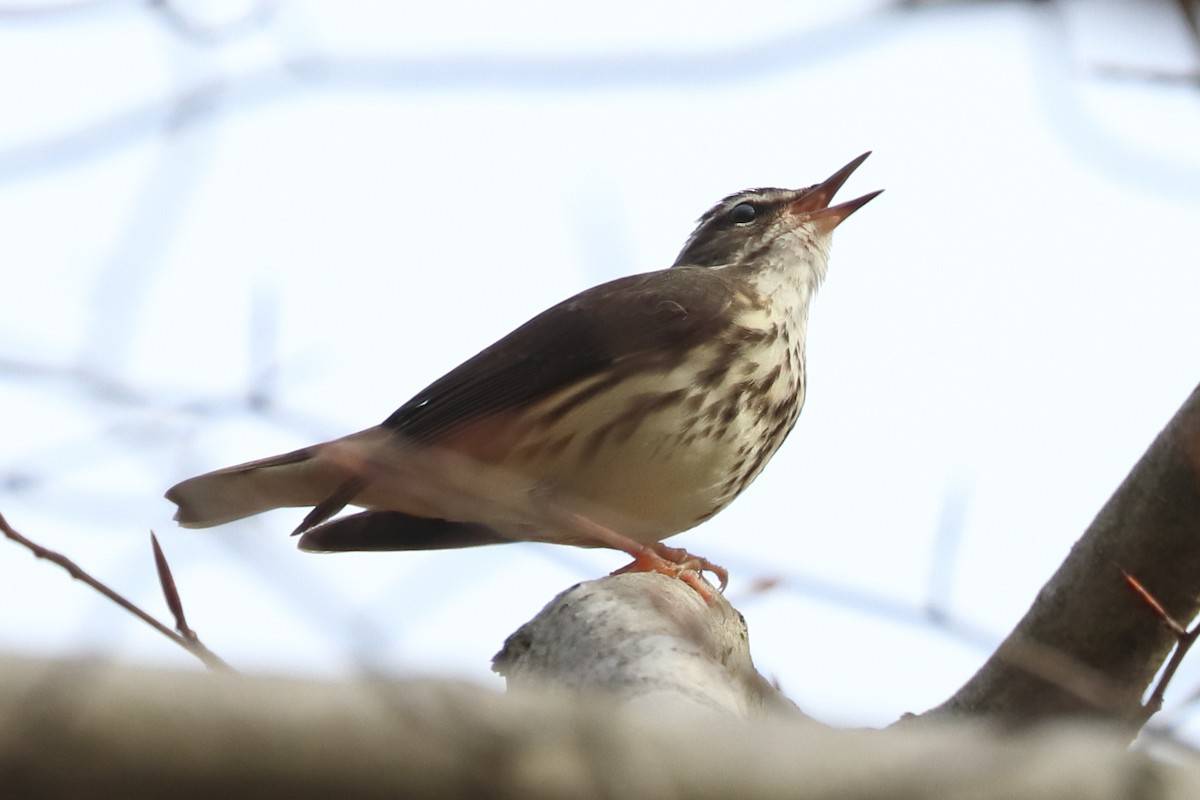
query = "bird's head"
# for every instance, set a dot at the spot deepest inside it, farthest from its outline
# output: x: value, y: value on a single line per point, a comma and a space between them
x: 773, y: 228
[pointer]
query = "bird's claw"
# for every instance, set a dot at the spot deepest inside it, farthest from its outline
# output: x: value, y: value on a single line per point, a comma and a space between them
x: 676, y: 562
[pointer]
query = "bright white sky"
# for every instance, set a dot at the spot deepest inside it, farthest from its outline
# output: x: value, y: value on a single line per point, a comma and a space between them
x: 182, y: 219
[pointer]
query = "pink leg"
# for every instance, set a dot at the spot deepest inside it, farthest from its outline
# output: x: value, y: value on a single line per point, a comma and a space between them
x: 672, y: 561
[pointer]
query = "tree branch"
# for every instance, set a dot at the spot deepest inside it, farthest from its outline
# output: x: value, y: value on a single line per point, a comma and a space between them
x: 185, y: 638
x: 83, y: 728
x: 642, y: 639
x: 1090, y: 645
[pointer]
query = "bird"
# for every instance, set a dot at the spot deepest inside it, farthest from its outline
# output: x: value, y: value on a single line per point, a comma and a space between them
x: 628, y: 413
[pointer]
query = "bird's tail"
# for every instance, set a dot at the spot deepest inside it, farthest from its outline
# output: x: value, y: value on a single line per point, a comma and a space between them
x: 306, y: 477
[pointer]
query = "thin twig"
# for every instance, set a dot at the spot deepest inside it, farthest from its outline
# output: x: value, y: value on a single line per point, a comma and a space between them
x: 191, y: 644
x: 170, y: 592
x: 1184, y: 641
x: 1155, y: 703
x: 1151, y: 601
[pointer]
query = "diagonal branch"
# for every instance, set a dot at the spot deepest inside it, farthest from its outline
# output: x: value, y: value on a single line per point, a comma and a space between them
x: 186, y: 638
x: 1089, y: 646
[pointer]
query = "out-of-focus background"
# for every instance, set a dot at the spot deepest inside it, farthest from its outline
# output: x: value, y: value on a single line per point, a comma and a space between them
x: 229, y: 229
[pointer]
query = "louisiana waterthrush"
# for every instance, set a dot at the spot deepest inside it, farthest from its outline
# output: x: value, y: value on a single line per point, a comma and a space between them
x: 626, y: 414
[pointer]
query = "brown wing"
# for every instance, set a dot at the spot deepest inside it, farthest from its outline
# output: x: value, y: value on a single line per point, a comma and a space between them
x: 654, y: 317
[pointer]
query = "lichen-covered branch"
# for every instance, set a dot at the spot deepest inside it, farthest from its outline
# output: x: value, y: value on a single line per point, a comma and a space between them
x: 645, y: 640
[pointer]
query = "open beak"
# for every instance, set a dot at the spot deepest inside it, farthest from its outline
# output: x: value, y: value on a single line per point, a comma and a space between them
x: 814, y: 202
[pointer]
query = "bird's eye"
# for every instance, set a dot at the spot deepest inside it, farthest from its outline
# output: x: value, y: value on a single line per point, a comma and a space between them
x: 743, y: 213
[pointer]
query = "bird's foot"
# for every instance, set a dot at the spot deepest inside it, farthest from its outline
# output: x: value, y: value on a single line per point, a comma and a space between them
x: 678, y: 563
x: 672, y: 561
x: 695, y: 563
